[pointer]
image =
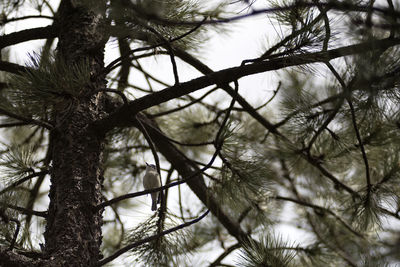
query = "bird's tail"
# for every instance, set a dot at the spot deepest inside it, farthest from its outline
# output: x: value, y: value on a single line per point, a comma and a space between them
x: 154, y: 198
x: 154, y: 205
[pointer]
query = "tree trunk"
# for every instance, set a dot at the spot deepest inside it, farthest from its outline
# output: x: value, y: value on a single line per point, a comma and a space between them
x: 73, y: 231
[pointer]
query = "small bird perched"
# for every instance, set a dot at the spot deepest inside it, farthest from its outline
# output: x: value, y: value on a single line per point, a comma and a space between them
x: 152, y: 180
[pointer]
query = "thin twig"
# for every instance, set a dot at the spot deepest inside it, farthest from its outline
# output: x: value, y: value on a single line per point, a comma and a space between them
x: 22, y: 180
x: 341, y: 6
x: 159, y: 114
x: 269, y: 126
x: 148, y: 239
x: 150, y: 142
x: 328, y: 243
x: 163, y: 208
x: 12, y: 68
x: 147, y: 76
x: 44, y: 124
x: 320, y: 103
x: 346, y: 90
x: 326, y: 23
x: 224, y: 254
x: 28, y: 35
x: 392, y: 20
x: 319, y: 209
x: 6, y: 219
x: 319, y: 236
x: 218, y: 145
x: 110, y: 66
x: 360, y: 143
x: 181, y: 143
x: 275, y: 92
x: 219, y: 142
x: 180, y: 203
x: 325, y: 124
x: 167, y: 43
x: 244, y: 214
x: 119, y: 118
x: 18, y: 223
x: 329, y: 175
x: 118, y: 219
x: 288, y: 38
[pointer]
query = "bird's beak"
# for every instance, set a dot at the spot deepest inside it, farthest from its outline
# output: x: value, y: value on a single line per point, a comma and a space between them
x: 147, y: 164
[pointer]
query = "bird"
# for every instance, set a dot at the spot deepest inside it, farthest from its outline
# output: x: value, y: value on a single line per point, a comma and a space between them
x: 151, y: 179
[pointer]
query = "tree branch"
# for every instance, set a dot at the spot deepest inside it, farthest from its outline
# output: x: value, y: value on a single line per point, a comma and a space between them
x: 6, y: 219
x: 150, y: 238
x: 7, y: 20
x: 125, y: 114
x: 28, y: 35
x: 9, y: 258
x: 320, y: 209
x: 22, y: 180
x: 44, y: 124
x: 25, y: 211
x: 12, y: 67
x: 196, y: 100
x: 336, y: 5
x: 224, y: 254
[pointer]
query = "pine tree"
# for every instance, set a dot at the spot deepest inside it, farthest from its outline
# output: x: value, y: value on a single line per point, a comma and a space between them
x: 323, y: 150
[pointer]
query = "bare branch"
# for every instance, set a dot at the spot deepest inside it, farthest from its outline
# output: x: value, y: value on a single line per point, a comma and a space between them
x: 128, y: 54
x: 224, y: 254
x: 24, y: 210
x: 12, y: 67
x: 7, y: 20
x: 126, y: 114
x: 162, y: 113
x: 28, y: 35
x: 320, y: 209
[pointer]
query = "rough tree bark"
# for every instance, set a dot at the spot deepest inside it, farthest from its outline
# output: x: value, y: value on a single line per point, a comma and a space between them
x: 73, y: 231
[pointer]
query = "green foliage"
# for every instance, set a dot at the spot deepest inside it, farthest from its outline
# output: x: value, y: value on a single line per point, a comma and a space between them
x: 246, y: 178
x: 17, y: 162
x: 46, y: 85
x: 315, y: 255
x: 193, y: 125
x: 148, y: 21
x: 167, y: 250
x: 267, y: 252
x: 203, y: 233
x: 366, y: 213
x: 375, y: 78
x: 306, y: 29
x: 244, y: 181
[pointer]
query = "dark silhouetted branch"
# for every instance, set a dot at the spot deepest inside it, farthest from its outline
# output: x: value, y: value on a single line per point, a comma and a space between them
x: 28, y: 35
x: 126, y: 114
